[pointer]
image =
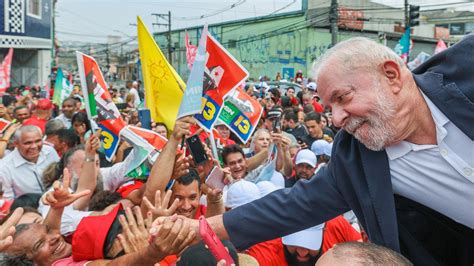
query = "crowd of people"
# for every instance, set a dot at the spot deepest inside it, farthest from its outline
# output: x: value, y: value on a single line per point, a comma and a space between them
x: 329, y: 199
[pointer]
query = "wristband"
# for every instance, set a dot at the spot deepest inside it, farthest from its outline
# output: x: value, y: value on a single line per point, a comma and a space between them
x: 89, y: 159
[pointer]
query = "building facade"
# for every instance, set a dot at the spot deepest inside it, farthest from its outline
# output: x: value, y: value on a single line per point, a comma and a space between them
x: 26, y: 26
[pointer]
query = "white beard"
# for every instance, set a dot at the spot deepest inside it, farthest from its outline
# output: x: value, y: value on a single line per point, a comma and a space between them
x: 380, y: 124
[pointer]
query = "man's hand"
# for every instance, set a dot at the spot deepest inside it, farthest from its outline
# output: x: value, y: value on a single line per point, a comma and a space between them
x: 161, y: 204
x: 213, y: 195
x: 182, y: 127
x: 181, y: 166
x: 92, y: 144
x: 61, y: 196
x: 7, y: 229
x: 171, y: 235
x: 11, y: 130
x: 134, y: 234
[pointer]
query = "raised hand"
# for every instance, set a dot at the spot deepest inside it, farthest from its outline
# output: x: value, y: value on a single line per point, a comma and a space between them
x: 161, y: 204
x: 7, y: 229
x: 134, y: 234
x: 93, y: 144
x: 182, y: 127
x: 181, y: 166
x: 61, y: 195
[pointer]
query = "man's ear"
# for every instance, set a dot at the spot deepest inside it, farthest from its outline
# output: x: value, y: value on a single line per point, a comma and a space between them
x: 391, y: 71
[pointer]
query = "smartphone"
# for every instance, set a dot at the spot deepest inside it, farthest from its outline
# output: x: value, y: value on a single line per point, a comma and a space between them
x: 277, y: 125
x: 196, y: 149
x: 215, y: 179
x: 145, y: 118
x: 215, y: 245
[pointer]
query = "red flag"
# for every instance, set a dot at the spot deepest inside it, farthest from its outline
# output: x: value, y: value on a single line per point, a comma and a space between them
x: 440, y: 46
x: 155, y: 139
x: 4, y: 124
x: 5, y: 71
x: 222, y: 74
x: 191, y: 51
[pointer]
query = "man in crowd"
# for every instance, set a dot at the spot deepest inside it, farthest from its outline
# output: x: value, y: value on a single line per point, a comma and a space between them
x: 312, y: 122
x: 305, y: 247
x: 68, y: 110
x: 290, y: 125
x: 51, y: 134
x: 21, y: 113
x: 400, y: 162
x: 42, y: 113
x: 21, y: 170
x: 305, y: 166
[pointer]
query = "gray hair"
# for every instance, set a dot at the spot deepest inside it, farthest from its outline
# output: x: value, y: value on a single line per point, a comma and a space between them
x: 255, y: 136
x: 357, y: 52
x: 52, y: 126
x: 26, y: 129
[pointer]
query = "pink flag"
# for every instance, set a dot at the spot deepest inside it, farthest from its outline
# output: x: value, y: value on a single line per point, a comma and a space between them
x: 440, y: 46
x: 191, y: 51
x: 5, y: 71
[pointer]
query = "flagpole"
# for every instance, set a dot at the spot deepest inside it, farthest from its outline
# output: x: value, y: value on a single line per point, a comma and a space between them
x: 213, y: 144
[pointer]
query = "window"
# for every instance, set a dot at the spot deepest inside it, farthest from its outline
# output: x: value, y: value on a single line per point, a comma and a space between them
x: 34, y: 8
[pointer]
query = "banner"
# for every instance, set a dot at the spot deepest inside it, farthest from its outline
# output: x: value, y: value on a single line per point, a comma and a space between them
x: 403, y: 46
x: 163, y: 86
x: 222, y: 74
x: 62, y: 88
x: 99, y: 103
x: 191, y: 102
x: 4, y: 124
x: 191, y: 51
x: 241, y: 114
x: 5, y: 71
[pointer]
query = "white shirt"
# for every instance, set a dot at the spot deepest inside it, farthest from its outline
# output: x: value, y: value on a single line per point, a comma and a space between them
x: 440, y: 176
x: 66, y: 121
x: 135, y: 96
x: 19, y: 176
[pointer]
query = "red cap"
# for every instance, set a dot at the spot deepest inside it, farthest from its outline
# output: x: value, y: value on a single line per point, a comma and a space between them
x: 44, y: 104
x: 89, y: 238
x: 128, y: 187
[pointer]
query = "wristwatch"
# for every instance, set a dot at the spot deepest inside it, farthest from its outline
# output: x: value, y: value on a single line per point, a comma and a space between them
x: 89, y: 159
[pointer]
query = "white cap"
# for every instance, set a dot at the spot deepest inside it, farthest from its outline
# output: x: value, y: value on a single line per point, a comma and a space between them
x: 310, y: 238
x: 320, y: 147
x: 266, y: 187
x: 306, y: 156
x: 241, y: 193
x: 311, y: 86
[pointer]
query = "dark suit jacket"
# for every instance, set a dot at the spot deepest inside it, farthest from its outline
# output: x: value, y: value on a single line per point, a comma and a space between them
x: 358, y: 178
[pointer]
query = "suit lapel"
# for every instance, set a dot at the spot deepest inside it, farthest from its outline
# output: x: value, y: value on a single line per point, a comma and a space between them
x: 449, y: 99
x: 377, y: 173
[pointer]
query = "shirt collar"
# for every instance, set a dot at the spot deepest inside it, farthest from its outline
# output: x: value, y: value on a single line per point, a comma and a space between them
x: 19, y: 160
x: 398, y: 150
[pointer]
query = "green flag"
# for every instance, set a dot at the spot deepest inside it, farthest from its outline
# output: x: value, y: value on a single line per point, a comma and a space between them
x: 62, y: 88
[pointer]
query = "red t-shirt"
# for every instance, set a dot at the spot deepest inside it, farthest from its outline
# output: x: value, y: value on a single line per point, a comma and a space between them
x: 36, y: 121
x: 318, y: 108
x: 338, y: 230
x: 269, y: 253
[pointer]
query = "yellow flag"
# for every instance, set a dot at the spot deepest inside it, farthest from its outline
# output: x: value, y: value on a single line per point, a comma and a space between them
x: 163, y: 86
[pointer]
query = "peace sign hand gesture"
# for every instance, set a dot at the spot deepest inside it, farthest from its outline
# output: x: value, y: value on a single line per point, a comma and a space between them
x: 61, y: 196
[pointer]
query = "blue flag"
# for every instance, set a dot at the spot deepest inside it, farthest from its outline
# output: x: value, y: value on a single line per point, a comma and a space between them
x: 403, y: 46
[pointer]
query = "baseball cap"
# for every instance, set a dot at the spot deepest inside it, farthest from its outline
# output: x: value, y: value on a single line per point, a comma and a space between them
x: 44, y: 104
x: 320, y: 147
x: 306, y: 156
x: 89, y: 239
x: 266, y: 187
x: 241, y: 193
x: 312, y: 86
x: 275, y: 112
x: 310, y: 238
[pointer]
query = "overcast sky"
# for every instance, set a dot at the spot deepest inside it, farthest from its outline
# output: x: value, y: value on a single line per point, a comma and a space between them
x: 93, y: 20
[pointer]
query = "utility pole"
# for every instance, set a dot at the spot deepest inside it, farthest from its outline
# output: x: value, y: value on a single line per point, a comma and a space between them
x: 333, y: 18
x: 165, y: 17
